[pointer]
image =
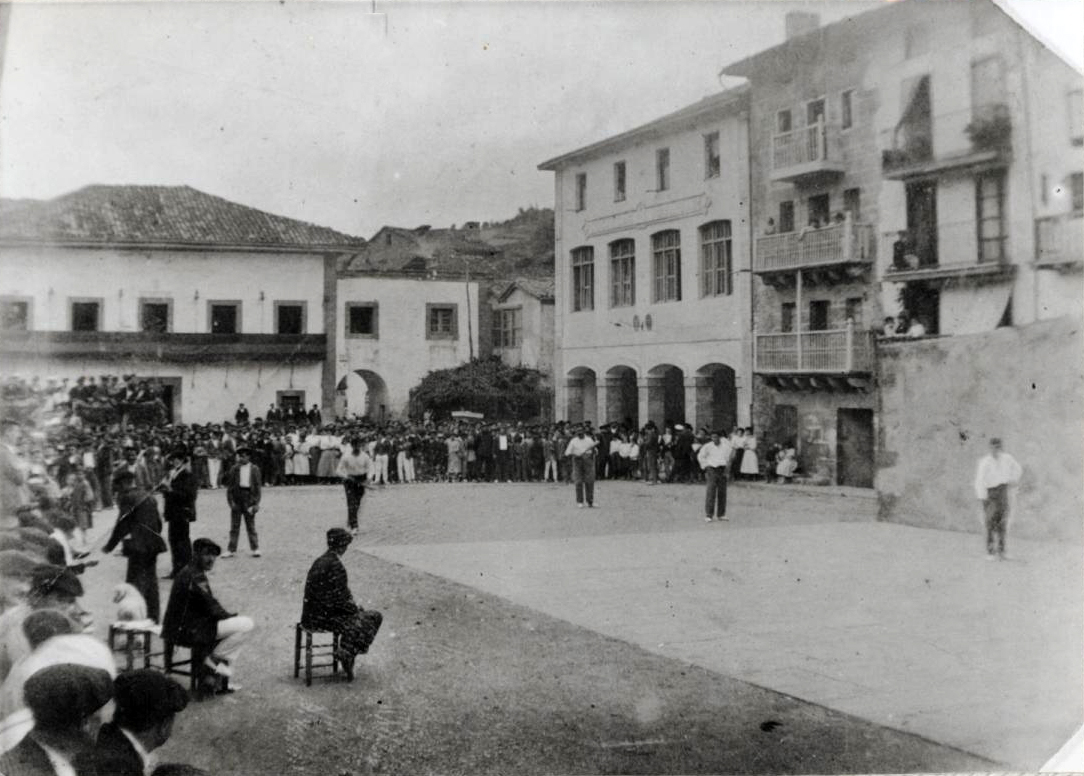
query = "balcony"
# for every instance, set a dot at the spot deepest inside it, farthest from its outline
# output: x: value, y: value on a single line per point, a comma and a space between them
x: 176, y: 348
x: 1059, y: 241
x: 806, y: 154
x: 963, y: 141
x: 837, y: 252
x: 837, y: 359
x: 952, y: 255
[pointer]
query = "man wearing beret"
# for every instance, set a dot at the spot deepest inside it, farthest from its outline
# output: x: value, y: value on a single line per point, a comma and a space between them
x: 146, y: 703
x: 51, y: 587
x: 140, y: 527
x: 329, y: 605
x: 195, y: 618
x: 62, y: 699
x: 179, y: 490
x: 243, y: 483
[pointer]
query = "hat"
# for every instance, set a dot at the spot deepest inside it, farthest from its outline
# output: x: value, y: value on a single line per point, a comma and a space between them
x: 146, y: 697
x: 42, y: 624
x: 678, y: 427
x: 66, y: 694
x: 17, y: 564
x: 48, y: 579
x: 200, y: 546
x: 336, y: 537
x: 179, y: 451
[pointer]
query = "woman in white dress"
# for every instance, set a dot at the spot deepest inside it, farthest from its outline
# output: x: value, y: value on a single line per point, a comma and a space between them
x: 301, y: 460
x: 750, y: 464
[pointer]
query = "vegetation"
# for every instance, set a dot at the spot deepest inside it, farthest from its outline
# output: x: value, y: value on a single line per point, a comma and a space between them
x: 484, y: 385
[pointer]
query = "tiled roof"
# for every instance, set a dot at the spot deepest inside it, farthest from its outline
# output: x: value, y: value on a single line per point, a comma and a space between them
x: 538, y: 287
x: 158, y: 215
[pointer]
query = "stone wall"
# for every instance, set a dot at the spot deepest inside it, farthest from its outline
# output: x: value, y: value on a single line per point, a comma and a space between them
x: 942, y: 400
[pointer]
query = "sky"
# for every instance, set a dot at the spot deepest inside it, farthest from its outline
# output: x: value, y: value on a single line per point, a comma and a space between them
x: 421, y: 113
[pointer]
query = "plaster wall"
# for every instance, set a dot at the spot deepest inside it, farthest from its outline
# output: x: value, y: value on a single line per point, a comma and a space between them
x: 536, y: 335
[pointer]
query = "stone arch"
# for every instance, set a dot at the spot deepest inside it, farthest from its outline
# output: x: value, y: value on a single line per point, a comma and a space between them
x: 666, y: 394
x: 716, y: 396
x: 622, y: 396
x: 362, y: 392
x: 581, y: 395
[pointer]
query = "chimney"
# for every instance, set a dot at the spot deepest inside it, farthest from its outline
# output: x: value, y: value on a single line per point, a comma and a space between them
x: 801, y: 22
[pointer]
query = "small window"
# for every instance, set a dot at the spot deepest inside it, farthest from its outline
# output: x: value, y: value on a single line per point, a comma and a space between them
x: 581, y: 191
x: 1076, y: 117
x: 619, y: 181
x: 666, y: 247
x: 225, y: 317
x: 86, y: 315
x: 990, y: 207
x: 846, y: 109
x: 662, y: 169
x: 442, y: 323
x: 916, y: 41
x: 786, y: 216
x: 14, y: 314
x: 362, y: 319
x: 818, y: 315
x: 622, y: 273
x: 712, y: 160
x: 290, y: 317
x: 715, y: 259
x: 783, y: 122
x: 786, y: 317
x: 507, y: 327
x: 154, y: 316
x: 1076, y: 186
x: 583, y: 278
x: 852, y: 203
x: 854, y: 311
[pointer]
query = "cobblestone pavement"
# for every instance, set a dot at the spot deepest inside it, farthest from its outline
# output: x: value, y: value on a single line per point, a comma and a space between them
x: 523, y: 634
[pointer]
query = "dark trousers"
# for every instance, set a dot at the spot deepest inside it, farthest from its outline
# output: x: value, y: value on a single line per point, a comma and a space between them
x: 583, y: 474
x: 715, y: 502
x: 996, y: 507
x: 355, y: 491
x: 357, y: 633
x: 180, y: 544
x: 250, y: 528
x: 143, y: 576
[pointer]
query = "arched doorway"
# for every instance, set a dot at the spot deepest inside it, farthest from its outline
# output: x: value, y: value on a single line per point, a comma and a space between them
x: 622, y: 397
x: 363, y: 393
x: 716, y: 397
x: 581, y: 395
x: 666, y: 394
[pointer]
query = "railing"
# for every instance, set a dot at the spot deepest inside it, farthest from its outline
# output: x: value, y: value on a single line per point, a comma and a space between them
x: 833, y: 244
x: 947, y: 137
x: 800, y: 146
x: 166, y: 346
x: 1060, y: 239
x: 836, y: 351
x: 947, y: 246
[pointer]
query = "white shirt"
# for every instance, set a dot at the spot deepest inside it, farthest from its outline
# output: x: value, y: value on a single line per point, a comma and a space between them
x: 577, y: 446
x: 351, y: 465
x: 244, y: 476
x: 149, y: 760
x: 1002, y: 470
x: 711, y: 454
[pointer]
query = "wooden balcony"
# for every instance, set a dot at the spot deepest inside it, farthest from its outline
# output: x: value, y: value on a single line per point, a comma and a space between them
x: 1059, y: 242
x: 170, y: 347
x: 842, y: 359
x: 839, y: 253
x: 806, y: 154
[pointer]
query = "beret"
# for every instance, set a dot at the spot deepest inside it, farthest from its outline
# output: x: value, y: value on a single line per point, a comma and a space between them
x: 200, y: 546
x: 66, y: 694
x: 336, y: 536
x: 148, y: 696
x: 47, y: 578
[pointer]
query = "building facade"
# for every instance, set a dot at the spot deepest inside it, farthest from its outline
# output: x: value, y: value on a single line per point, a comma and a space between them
x: 652, y: 288
x: 217, y: 302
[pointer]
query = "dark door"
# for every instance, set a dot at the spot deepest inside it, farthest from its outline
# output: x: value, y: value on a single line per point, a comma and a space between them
x: 922, y: 221
x: 785, y: 428
x: 854, y: 447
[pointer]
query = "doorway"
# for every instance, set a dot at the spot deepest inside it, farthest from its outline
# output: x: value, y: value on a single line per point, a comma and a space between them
x: 922, y: 221
x: 854, y: 447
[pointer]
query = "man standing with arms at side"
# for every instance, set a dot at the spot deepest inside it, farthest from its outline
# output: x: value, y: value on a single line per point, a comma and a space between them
x: 354, y: 469
x: 581, y: 451
x: 714, y: 457
x: 243, y: 495
x: 179, y: 489
x: 997, y: 473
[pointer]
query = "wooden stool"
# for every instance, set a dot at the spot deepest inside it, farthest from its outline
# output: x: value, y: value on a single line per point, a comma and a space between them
x: 193, y: 667
x: 319, y: 650
x: 137, y: 638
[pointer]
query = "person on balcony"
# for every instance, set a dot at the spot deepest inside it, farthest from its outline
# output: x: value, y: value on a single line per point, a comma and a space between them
x: 769, y: 228
x: 889, y: 329
x: 916, y: 329
x: 903, y: 251
x: 813, y: 225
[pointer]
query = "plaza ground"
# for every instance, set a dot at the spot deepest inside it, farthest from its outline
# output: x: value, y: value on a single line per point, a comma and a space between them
x: 524, y: 635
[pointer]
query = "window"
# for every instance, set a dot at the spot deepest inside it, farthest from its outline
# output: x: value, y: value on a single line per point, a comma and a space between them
x: 225, y: 317
x: 786, y: 216
x: 814, y: 112
x: 916, y: 41
x: 507, y: 327
x: 622, y: 273
x: 1076, y: 117
x: 14, y: 314
x: 846, y: 109
x: 990, y: 201
x: 155, y: 315
x: 783, y: 122
x: 290, y: 317
x: 786, y: 318
x: 1076, y: 186
x: 362, y: 320
x: 987, y: 89
x: 581, y: 191
x: 583, y: 278
x: 852, y: 203
x: 854, y: 311
x: 819, y: 208
x: 662, y: 169
x: 666, y: 247
x: 818, y: 315
x: 619, y: 181
x: 86, y: 315
x: 715, y: 258
x: 442, y: 321
x: 712, y: 160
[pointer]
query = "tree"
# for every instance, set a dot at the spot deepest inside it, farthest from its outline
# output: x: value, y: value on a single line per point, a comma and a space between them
x: 484, y: 385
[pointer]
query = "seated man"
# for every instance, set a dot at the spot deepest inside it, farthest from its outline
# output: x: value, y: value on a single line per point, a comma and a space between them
x: 329, y: 606
x: 194, y: 617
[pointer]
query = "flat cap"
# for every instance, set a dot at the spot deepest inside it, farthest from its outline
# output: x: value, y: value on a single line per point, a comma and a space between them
x: 148, y: 696
x: 66, y: 694
x: 48, y: 579
x: 338, y: 536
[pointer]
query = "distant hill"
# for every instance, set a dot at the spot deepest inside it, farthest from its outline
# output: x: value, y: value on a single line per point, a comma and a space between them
x: 526, y: 240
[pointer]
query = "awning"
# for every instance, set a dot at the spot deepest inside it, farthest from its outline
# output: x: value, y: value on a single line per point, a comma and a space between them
x: 973, y: 309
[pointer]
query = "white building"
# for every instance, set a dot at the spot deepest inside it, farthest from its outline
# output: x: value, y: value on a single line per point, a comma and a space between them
x: 652, y: 281
x: 219, y: 302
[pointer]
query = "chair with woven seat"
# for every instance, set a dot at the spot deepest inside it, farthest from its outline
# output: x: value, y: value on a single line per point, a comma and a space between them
x: 315, y: 651
x: 137, y: 639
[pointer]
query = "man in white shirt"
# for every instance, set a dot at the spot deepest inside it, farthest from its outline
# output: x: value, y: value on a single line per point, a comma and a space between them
x: 714, y: 457
x: 581, y: 450
x: 354, y: 469
x: 243, y: 492
x: 997, y: 473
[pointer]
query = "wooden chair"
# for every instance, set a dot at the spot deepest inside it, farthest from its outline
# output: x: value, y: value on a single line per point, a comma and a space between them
x: 137, y: 640
x: 193, y: 667
x: 314, y: 651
